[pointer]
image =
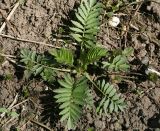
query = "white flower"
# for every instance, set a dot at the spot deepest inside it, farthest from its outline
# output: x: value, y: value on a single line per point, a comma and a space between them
x: 114, y: 21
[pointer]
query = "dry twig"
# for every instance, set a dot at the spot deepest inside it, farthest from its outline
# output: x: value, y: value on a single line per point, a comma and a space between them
x: 9, y: 16
x: 12, y: 104
x: 29, y: 41
x: 20, y: 103
x: 42, y: 125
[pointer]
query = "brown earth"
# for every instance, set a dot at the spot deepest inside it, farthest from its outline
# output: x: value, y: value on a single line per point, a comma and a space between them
x: 38, y: 21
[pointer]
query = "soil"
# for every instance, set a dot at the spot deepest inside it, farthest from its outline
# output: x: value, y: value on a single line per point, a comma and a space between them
x: 40, y: 21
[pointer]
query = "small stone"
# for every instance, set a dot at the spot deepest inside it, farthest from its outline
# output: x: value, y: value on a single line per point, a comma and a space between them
x: 89, y: 118
x: 146, y: 102
x: 127, y: 123
x: 145, y: 60
x: 157, y: 94
x: 100, y: 124
x: 114, y: 21
x: 117, y: 126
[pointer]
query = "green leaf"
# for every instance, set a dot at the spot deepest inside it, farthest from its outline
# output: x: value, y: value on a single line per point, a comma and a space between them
x: 11, y: 113
x: 62, y: 90
x: 33, y: 57
x: 99, y: 7
x: 53, y: 52
x: 94, y: 54
x: 93, y: 30
x: 92, y: 2
x: 76, y: 30
x: 35, y: 67
x: 14, y: 114
x: 63, y: 56
x: 102, y: 84
x: 39, y: 70
x: 115, y: 107
x: 124, y: 67
x: 116, y: 97
x: 106, y: 104
x: 81, y: 13
x: 71, y: 98
x: 116, y: 59
x: 110, y: 14
x: 105, y: 87
x: 111, y: 107
x: 106, y: 64
x: 68, y: 79
x: 79, y: 101
x: 120, y: 107
x: 62, y: 95
x: 101, y: 103
x: 88, y: 23
x: 63, y: 99
x: 92, y: 25
x: 92, y: 20
x: 74, y: 115
x: 76, y: 108
x: 89, y: 98
x: 80, y: 18
x: 48, y: 75
x: 65, y: 104
x: 77, y: 24
x: 112, y: 93
x: 70, y: 123
x: 128, y: 51
x: 65, y: 84
x: 120, y: 101
x: 77, y: 37
x: 110, y: 88
x: 93, y: 15
x: 2, y: 110
x: 64, y: 111
x: 65, y: 116
x: 87, y: 5
x: 121, y: 61
x: 110, y: 100
x: 85, y: 11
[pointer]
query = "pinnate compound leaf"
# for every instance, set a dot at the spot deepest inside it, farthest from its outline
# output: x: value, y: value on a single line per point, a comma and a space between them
x: 63, y: 56
x: 111, y: 101
x: 71, y: 96
x: 87, y: 25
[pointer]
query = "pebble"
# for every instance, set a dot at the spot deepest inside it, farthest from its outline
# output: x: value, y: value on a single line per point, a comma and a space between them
x: 145, y: 60
x: 117, y: 126
x: 114, y: 21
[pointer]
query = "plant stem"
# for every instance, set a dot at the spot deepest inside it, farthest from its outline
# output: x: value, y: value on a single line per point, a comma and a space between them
x: 88, y: 77
x: 57, y: 69
x: 11, y: 60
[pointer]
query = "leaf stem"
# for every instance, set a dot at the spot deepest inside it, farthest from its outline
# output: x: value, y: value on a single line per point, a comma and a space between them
x: 89, y: 78
x: 57, y: 69
x: 11, y: 60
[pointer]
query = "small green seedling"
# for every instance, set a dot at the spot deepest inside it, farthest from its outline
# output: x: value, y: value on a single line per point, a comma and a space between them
x: 8, y: 112
x: 69, y: 68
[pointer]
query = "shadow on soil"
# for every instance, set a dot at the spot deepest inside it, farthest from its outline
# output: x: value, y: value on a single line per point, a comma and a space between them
x: 141, y: 70
x: 154, y: 121
x: 50, y: 112
x: 64, y: 31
